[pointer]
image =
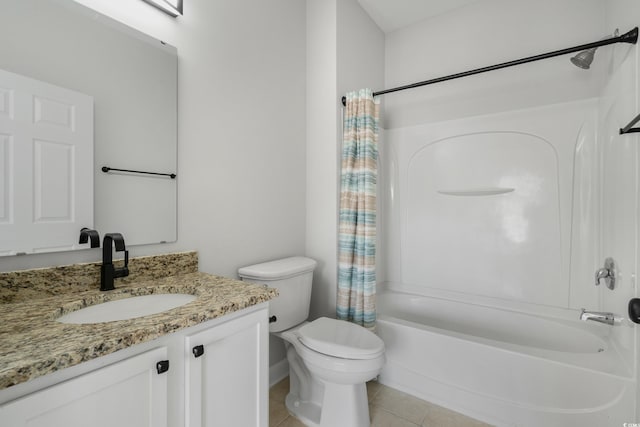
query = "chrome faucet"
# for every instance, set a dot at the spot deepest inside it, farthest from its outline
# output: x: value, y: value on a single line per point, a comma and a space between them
x: 608, y: 273
x: 597, y: 316
x: 602, y: 273
x: 107, y: 271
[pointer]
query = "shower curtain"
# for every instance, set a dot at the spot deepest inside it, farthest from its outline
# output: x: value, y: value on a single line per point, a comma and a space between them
x: 357, y: 230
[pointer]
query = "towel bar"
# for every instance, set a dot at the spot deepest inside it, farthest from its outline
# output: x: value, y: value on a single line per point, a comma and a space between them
x: 106, y: 169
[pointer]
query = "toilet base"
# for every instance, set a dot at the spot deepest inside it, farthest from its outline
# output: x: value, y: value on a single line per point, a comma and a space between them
x: 344, y: 405
x: 307, y: 412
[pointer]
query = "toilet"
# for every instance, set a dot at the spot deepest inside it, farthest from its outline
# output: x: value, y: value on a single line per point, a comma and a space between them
x: 330, y: 360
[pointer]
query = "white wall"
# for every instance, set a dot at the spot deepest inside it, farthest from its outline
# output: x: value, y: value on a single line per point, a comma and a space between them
x: 345, y: 51
x: 487, y: 33
x: 321, y: 227
x: 241, y: 130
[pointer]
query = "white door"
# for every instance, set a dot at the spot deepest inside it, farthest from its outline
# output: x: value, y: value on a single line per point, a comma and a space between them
x: 130, y: 393
x: 227, y: 374
x: 46, y: 165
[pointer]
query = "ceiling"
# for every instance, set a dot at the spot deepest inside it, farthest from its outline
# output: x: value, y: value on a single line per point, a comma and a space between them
x: 391, y: 15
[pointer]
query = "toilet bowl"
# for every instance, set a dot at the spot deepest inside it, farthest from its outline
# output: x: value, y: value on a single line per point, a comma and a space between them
x: 331, y: 389
x: 330, y: 360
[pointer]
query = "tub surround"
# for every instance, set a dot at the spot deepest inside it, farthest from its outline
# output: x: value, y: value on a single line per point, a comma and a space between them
x: 33, y: 343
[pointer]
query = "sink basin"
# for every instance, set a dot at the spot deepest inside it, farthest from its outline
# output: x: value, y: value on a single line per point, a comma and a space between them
x: 127, y: 308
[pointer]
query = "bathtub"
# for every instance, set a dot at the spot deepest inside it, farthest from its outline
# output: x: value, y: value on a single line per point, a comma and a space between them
x: 504, y: 367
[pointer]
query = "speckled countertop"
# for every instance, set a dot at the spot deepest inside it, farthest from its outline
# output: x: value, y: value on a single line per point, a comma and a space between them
x: 33, y: 343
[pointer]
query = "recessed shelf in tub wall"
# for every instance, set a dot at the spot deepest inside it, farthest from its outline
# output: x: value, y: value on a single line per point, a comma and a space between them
x: 488, y: 191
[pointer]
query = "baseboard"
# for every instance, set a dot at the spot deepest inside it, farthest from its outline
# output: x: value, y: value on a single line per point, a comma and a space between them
x: 278, y: 372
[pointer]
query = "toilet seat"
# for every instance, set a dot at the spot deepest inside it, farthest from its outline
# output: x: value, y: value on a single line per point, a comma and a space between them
x: 341, y: 369
x: 338, y: 338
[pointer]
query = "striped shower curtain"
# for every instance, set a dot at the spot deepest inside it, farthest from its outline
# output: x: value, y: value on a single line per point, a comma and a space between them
x: 357, y: 234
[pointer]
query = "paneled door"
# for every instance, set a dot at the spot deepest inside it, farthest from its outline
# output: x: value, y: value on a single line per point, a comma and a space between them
x: 46, y: 165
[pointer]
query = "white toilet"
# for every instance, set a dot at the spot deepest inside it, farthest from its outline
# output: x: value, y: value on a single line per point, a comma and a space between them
x: 329, y: 360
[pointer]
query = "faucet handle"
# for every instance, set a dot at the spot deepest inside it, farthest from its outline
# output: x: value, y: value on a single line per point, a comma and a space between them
x: 601, y: 273
x: 125, y: 270
x: 607, y: 273
x: 86, y: 234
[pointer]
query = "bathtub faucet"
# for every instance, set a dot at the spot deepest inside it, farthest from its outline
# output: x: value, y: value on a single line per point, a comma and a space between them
x: 597, y: 316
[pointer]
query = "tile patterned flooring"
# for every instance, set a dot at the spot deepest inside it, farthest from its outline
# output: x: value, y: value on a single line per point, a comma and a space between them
x: 387, y: 407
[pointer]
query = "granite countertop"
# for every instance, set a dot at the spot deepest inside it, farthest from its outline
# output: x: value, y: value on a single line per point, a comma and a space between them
x: 33, y: 343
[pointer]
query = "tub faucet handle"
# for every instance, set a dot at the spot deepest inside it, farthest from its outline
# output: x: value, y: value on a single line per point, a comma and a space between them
x: 607, y: 273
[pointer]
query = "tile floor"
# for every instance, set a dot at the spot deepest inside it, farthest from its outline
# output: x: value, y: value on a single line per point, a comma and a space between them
x: 387, y: 407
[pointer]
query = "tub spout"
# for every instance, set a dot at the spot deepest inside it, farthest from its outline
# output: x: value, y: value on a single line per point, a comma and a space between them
x: 597, y: 316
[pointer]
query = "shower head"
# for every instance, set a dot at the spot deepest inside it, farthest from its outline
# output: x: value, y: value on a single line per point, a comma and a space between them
x: 585, y: 58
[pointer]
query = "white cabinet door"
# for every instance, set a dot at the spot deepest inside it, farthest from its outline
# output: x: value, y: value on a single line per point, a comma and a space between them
x: 46, y: 165
x: 129, y: 393
x: 227, y: 374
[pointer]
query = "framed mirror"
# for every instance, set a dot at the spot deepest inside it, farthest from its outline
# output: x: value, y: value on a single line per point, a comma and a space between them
x: 132, y: 81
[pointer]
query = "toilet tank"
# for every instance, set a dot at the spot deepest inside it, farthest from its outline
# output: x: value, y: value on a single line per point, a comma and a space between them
x: 292, y: 277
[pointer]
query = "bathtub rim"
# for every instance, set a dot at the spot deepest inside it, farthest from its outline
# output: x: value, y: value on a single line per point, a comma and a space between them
x: 608, y: 362
x: 548, y: 311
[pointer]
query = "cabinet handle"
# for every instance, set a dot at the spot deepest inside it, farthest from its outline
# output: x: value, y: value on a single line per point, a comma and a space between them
x: 198, y: 350
x: 162, y: 366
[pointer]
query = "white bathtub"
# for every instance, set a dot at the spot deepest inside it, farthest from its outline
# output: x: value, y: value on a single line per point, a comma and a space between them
x: 504, y: 367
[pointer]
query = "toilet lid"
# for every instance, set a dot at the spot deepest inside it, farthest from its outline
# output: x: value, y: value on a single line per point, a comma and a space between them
x: 340, y: 339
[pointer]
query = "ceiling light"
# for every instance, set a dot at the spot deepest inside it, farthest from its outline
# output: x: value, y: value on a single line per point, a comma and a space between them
x: 171, y: 7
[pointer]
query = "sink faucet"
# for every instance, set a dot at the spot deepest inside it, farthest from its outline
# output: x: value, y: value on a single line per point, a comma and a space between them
x: 107, y: 271
x: 597, y: 316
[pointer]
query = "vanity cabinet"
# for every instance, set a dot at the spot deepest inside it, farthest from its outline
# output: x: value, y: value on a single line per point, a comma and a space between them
x: 225, y: 385
x: 227, y: 374
x: 130, y: 393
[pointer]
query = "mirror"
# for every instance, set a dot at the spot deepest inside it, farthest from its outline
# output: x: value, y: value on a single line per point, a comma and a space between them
x: 132, y: 79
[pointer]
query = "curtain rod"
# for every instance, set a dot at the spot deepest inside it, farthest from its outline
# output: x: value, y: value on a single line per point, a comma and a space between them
x: 629, y: 128
x: 629, y: 37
